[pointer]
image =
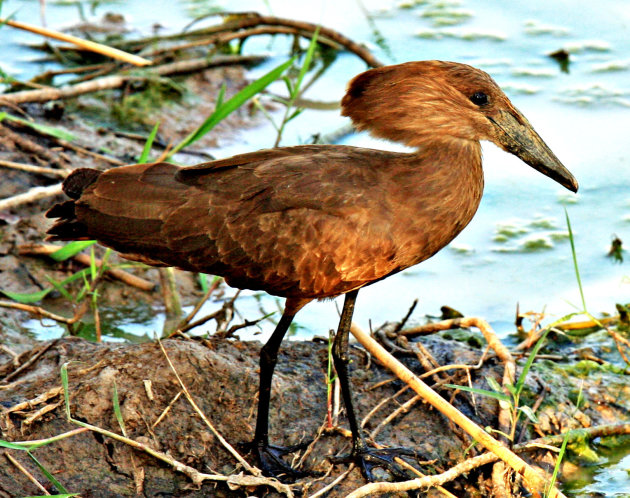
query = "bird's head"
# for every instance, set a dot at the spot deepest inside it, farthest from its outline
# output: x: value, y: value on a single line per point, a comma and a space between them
x: 416, y: 103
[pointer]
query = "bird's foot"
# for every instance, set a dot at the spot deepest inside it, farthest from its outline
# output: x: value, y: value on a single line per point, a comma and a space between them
x: 271, y: 462
x: 369, y: 459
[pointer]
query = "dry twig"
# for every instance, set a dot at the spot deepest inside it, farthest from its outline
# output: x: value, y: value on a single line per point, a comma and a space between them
x: 29, y: 476
x: 85, y: 259
x: 34, y: 194
x: 226, y: 445
x: 85, y: 44
x: 534, y: 481
x: 116, y: 81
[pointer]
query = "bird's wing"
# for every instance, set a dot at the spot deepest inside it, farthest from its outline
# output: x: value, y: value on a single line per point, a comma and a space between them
x: 306, y: 221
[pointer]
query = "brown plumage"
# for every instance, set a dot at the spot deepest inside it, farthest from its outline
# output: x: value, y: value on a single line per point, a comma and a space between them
x: 317, y: 221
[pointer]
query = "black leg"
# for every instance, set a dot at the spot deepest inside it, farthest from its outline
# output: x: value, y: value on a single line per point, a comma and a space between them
x: 270, y: 456
x: 340, y: 359
x: 268, y: 360
x: 367, y: 458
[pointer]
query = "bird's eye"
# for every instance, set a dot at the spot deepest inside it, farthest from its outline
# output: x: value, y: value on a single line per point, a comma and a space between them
x: 479, y: 98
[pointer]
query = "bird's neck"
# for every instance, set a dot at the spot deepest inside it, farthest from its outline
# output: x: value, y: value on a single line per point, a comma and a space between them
x: 445, y: 186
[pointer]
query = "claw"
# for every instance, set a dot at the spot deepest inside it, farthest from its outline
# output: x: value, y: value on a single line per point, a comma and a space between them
x: 271, y: 461
x: 371, y: 458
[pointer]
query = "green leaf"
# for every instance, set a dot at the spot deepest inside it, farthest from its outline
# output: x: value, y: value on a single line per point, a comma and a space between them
x: 220, y: 96
x: 530, y: 360
x: 117, y: 411
x: 306, y: 64
x: 575, y: 262
x: 144, y: 157
x: 59, y: 286
x: 556, y: 468
x: 13, y: 446
x: 93, y: 267
x: 27, y: 298
x: 46, y: 130
x: 295, y: 114
x: 481, y: 392
x: 512, y: 389
x: 231, y: 105
x: 494, y: 385
x: 63, y: 372
x: 203, y: 281
x: 48, y: 475
x: 288, y: 84
x: 71, y: 249
x: 529, y: 413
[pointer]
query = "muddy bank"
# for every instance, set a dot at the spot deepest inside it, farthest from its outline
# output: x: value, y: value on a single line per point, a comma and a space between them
x: 222, y: 378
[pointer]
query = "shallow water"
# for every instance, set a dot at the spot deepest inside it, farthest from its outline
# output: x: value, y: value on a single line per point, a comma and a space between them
x: 516, y: 249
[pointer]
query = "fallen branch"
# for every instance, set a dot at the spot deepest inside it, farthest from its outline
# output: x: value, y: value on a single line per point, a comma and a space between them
x: 488, y: 458
x: 34, y: 169
x: 116, y: 81
x: 240, y: 20
x: 534, y: 481
x: 99, y: 48
x: 32, y: 195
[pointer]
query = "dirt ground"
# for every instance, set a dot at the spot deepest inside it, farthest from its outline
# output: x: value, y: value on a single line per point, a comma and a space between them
x: 222, y: 378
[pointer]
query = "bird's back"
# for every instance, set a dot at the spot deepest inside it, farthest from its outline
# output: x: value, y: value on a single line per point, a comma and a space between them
x: 307, y: 221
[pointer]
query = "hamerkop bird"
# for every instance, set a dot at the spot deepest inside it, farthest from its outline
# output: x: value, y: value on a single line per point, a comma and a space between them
x: 317, y: 221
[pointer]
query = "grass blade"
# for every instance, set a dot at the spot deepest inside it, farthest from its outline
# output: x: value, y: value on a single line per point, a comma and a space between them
x: 556, y: 468
x: 46, y: 130
x: 48, y: 475
x: 71, y: 249
x: 144, y: 157
x: 306, y: 64
x: 226, y: 108
x: 482, y: 392
x: 117, y: 412
x: 12, y: 446
x: 575, y: 263
x: 26, y: 298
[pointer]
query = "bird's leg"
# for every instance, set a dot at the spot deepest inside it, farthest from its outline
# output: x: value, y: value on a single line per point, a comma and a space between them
x: 367, y: 458
x: 270, y: 456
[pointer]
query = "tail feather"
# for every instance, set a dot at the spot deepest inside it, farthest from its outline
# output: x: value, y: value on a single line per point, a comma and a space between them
x: 79, y: 180
x: 67, y: 227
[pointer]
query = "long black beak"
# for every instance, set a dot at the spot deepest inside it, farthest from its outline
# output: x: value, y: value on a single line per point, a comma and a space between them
x: 514, y: 134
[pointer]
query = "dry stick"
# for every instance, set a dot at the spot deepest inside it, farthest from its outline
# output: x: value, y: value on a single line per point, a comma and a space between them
x: 451, y: 474
x: 24, y: 471
x: 534, y: 481
x: 166, y: 410
x: 114, y: 53
x: 228, y: 446
x: 82, y: 150
x: 193, y: 474
x: 39, y: 413
x: 31, y: 195
x: 380, y: 404
x: 251, y: 19
x: 34, y: 169
x: 85, y: 259
x: 34, y: 310
x: 200, y: 303
x: 404, y: 408
x: 51, y: 393
x: 338, y: 479
x: 116, y: 81
x: 246, y: 33
x: 487, y: 458
x: 31, y: 360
